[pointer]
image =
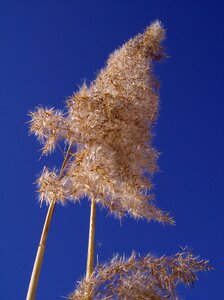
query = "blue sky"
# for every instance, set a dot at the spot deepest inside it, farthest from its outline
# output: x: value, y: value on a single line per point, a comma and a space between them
x: 47, y: 49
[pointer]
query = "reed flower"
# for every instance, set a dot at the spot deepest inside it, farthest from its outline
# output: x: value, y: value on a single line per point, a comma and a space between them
x: 49, y: 127
x: 153, y: 278
x: 111, y: 122
x: 50, y: 187
x: 108, y: 126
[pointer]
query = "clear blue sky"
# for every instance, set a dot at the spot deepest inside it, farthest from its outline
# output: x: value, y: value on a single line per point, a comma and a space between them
x: 47, y: 49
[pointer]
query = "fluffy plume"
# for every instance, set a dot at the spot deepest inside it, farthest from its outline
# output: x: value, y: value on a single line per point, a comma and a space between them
x: 111, y: 121
x: 140, y: 278
x: 50, y: 187
x: 49, y: 126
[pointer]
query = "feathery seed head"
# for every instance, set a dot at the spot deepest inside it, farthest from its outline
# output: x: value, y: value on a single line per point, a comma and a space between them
x: 49, y: 126
x: 141, y: 278
x: 112, y: 122
x: 50, y: 187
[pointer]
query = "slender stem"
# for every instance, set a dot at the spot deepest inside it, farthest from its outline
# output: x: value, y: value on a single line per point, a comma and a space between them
x: 40, y: 254
x: 31, y: 293
x: 90, y: 257
x: 65, y: 161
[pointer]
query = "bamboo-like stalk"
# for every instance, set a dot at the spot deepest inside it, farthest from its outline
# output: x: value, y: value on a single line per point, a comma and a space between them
x: 90, y: 256
x: 40, y: 254
x: 31, y: 293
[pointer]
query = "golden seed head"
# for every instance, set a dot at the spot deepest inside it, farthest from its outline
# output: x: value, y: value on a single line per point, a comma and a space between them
x: 141, y: 278
x: 111, y: 121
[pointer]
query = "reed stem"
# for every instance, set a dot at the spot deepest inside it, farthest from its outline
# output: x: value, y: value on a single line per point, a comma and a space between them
x: 40, y: 254
x: 31, y: 293
x: 90, y: 256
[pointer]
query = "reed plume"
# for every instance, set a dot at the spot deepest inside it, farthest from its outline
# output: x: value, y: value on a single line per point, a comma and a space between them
x: 111, y: 122
x: 108, y: 126
x: 140, y: 278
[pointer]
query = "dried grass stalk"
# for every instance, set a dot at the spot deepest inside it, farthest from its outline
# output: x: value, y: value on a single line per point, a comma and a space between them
x: 40, y: 255
x: 90, y: 255
x: 31, y: 293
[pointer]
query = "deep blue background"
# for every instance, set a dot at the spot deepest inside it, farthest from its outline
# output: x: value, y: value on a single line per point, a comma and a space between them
x: 47, y: 49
